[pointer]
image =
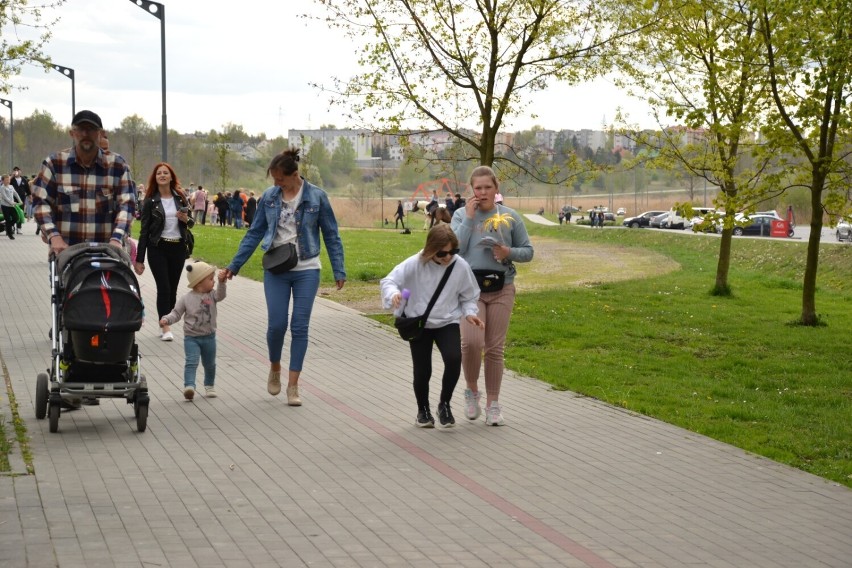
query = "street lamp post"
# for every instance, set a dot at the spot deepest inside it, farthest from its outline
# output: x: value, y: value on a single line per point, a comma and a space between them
x: 8, y: 103
x: 68, y: 72
x: 159, y: 11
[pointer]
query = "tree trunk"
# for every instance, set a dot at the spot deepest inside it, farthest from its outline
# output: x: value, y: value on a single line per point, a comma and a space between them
x: 809, y: 315
x: 723, y: 266
x: 486, y: 146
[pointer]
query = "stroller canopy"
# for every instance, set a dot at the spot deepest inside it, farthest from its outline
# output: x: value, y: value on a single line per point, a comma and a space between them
x: 100, y: 290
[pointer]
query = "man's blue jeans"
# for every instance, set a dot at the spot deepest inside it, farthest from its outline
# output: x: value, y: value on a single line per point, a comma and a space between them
x: 303, y: 286
x: 203, y: 347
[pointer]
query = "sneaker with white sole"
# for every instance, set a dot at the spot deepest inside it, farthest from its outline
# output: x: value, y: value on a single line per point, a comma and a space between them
x: 493, y: 415
x: 210, y: 392
x: 445, y: 415
x: 188, y: 393
x: 471, y: 404
x: 167, y: 336
x: 424, y: 419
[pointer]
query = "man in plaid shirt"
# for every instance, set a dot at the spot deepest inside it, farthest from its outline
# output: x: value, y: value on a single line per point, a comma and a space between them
x: 84, y: 194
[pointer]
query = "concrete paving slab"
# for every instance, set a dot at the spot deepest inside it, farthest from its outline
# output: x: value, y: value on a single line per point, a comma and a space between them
x: 347, y: 480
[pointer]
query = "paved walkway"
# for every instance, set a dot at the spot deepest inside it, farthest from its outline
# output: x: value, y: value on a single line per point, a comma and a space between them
x: 348, y: 481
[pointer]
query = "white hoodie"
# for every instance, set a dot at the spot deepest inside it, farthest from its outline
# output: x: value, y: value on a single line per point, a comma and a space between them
x: 458, y: 298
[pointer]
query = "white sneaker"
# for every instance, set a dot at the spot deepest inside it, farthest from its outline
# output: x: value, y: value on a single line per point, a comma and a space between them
x: 493, y: 415
x: 168, y: 336
x: 471, y: 404
x: 210, y: 392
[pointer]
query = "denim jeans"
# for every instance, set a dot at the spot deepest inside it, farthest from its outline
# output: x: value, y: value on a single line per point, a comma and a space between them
x: 203, y: 347
x: 303, y: 286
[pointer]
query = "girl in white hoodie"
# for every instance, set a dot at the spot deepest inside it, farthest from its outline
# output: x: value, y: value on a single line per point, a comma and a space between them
x: 421, y: 274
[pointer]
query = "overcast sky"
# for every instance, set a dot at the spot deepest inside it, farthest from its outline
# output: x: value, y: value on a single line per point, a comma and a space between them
x: 247, y: 62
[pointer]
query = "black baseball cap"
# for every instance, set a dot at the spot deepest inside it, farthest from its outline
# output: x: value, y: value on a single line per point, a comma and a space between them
x: 87, y: 116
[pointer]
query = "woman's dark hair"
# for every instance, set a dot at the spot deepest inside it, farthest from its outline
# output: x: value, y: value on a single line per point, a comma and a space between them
x: 286, y: 162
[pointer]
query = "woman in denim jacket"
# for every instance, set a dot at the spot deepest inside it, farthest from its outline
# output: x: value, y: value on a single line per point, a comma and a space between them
x: 291, y: 211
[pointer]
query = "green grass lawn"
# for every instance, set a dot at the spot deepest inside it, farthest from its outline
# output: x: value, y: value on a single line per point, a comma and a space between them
x: 736, y: 369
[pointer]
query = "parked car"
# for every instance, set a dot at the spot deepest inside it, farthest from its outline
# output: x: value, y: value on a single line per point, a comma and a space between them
x: 642, y: 220
x: 844, y: 230
x: 621, y: 212
x: 758, y: 226
x: 657, y: 221
x: 679, y: 219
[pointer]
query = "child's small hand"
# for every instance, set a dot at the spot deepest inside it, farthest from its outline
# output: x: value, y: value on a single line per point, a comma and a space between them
x: 163, y: 322
x: 396, y: 299
x: 222, y: 276
x: 473, y: 320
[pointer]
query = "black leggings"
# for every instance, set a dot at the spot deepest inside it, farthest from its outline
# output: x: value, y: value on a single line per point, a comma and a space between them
x: 11, y: 217
x: 448, y: 340
x: 166, y: 261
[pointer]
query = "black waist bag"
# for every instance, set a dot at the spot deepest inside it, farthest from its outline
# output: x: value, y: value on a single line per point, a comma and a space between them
x: 280, y: 259
x: 490, y: 280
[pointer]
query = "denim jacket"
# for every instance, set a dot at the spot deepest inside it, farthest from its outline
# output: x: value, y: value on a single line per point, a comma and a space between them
x: 313, y: 215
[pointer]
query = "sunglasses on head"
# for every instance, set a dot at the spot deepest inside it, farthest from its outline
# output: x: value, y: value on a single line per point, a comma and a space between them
x: 443, y: 253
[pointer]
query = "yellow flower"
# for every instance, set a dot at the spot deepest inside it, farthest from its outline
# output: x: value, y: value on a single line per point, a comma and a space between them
x: 498, y: 220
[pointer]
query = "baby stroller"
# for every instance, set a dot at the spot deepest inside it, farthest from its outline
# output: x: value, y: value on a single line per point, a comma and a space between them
x: 96, y: 311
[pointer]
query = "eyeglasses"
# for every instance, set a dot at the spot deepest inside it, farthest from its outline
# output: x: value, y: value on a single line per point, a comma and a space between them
x: 443, y: 253
x: 87, y: 129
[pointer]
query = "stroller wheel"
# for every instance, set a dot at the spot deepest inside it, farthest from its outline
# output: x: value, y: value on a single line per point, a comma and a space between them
x: 141, y: 411
x: 53, y: 415
x: 41, y: 394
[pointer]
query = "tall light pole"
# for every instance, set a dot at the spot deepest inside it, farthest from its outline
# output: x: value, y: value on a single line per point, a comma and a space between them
x: 8, y: 103
x: 68, y: 72
x: 159, y: 11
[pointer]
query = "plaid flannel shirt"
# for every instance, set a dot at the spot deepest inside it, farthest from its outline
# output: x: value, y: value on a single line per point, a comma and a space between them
x: 81, y: 204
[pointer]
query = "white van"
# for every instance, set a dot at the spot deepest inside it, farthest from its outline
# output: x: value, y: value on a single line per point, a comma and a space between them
x: 678, y: 221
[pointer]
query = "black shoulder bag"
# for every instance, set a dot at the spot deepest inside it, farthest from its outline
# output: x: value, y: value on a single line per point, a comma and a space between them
x: 410, y: 329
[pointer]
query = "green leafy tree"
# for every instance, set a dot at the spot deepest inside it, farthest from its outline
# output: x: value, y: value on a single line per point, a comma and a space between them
x: 319, y: 158
x: 701, y: 65
x: 134, y: 134
x: 443, y: 64
x: 23, y: 34
x: 223, y: 152
x: 807, y: 49
x: 235, y: 133
x: 343, y: 157
x: 36, y: 137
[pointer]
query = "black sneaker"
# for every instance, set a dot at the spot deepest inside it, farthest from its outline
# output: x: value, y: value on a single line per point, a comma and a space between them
x: 445, y: 415
x: 91, y: 401
x: 424, y: 419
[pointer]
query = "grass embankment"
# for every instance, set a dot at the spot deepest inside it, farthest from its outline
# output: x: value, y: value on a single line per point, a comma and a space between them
x: 625, y: 316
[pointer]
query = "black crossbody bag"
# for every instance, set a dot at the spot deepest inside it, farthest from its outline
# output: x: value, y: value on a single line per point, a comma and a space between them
x: 410, y: 329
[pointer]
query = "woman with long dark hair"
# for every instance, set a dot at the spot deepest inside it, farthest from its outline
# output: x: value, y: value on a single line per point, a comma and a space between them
x: 165, y: 219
